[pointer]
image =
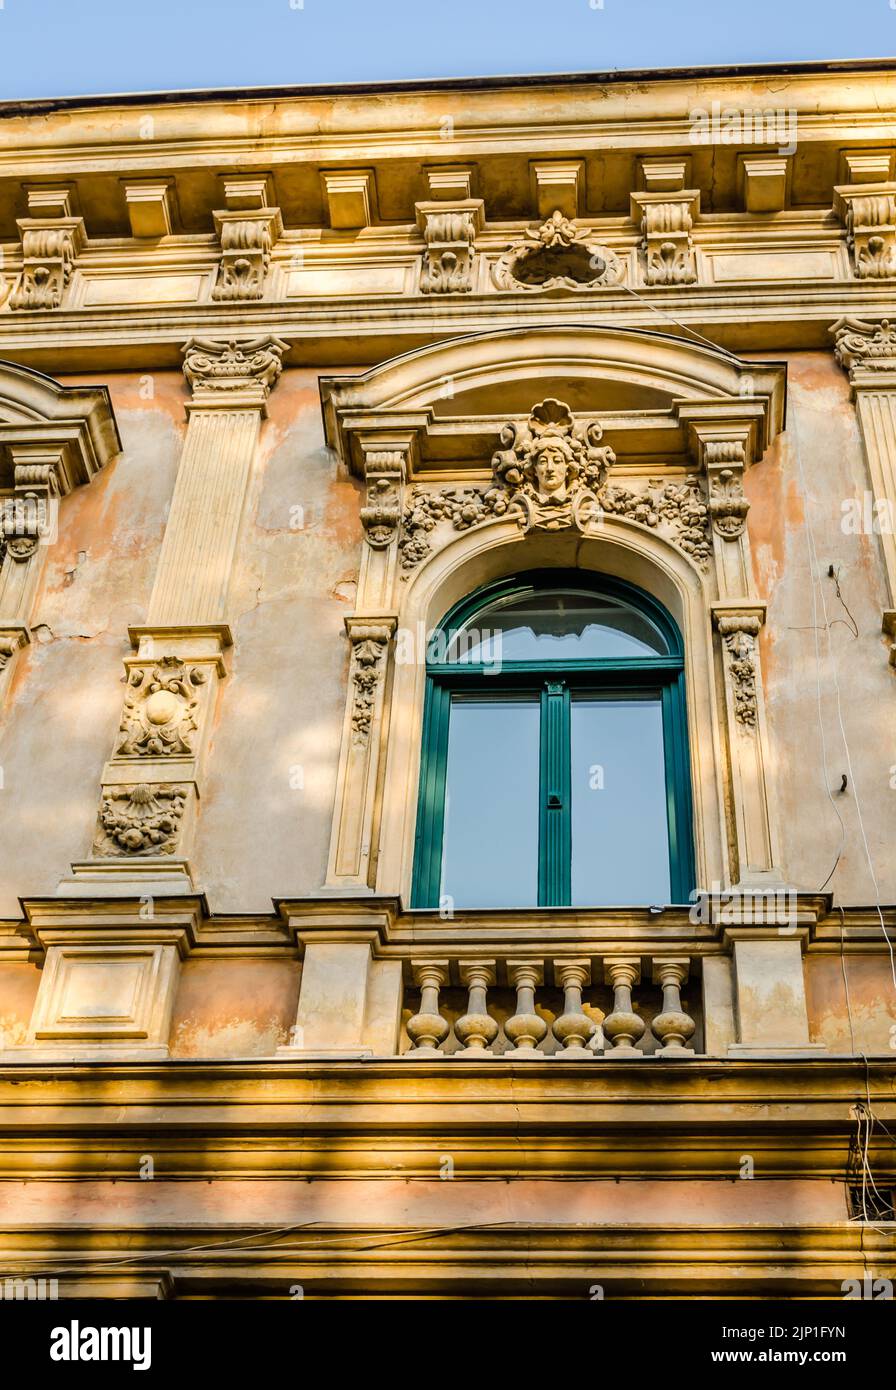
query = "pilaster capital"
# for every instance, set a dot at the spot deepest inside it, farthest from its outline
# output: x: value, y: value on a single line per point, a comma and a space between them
x: 234, y: 373
x: 866, y: 349
x: 738, y: 617
x: 377, y: 628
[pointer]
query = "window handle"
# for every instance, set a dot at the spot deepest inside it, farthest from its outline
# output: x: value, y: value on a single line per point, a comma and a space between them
x: 554, y: 802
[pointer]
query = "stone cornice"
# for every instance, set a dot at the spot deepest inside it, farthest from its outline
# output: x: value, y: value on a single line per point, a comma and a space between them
x: 541, y: 1119
x: 372, y: 328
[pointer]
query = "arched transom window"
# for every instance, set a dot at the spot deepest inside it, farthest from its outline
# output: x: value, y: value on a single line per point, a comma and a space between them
x: 555, y: 766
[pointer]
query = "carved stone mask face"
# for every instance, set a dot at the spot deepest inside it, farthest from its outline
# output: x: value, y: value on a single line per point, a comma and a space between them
x: 550, y: 471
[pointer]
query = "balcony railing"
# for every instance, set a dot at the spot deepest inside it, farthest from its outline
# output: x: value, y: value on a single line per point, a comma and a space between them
x: 530, y: 1008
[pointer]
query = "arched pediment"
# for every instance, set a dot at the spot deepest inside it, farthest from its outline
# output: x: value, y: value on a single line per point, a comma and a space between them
x: 643, y: 385
x: 75, y: 420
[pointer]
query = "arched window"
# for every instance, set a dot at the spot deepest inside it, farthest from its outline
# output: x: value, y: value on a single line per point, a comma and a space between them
x: 555, y: 767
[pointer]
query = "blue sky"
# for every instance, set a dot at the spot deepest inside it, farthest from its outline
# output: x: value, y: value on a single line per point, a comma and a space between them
x: 74, y: 47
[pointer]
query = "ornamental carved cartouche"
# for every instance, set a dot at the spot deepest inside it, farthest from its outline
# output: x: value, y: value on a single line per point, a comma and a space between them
x: 552, y: 473
x: 557, y: 256
x: 159, y: 716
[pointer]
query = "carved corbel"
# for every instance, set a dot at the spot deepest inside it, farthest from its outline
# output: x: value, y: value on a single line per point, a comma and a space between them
x: 666, y: 220
x: 248, y: 229
x: 868, y: 212
x: 51, y: 240
x: 384, y: 473
x: 724, y: 447
x: 728, y: 507
x: 386, y: 458
x: 449, y: 231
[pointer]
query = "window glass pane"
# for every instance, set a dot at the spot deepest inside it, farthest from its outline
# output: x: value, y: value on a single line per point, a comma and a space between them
x: 557, y: 625
x: 620, y: 830
x: 490, y: 844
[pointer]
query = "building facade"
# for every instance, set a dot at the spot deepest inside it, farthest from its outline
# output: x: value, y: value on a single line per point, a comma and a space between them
x: 447, y: 705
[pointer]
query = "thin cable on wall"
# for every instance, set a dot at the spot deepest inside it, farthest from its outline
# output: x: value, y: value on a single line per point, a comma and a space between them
x: 818, y: 594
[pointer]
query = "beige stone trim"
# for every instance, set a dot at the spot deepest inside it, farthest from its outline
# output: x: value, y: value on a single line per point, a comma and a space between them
x: 770, y: 994
x: 350, y: 998
x: 108, y: 982
x: 689, y: 547
x: 151, y: 783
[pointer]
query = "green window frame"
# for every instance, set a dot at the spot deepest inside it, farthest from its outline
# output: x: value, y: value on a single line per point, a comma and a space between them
x: 556, y: 684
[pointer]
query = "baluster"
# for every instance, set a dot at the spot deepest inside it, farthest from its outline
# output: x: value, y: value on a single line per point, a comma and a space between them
x: 427, y: 1029
x: 525, y: 1029
x: 673, y: 1027
x: 573, y: 1028
x: 476, y: 1030
x: 623, y: 1026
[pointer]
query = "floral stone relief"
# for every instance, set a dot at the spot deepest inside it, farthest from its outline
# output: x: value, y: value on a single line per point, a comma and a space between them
x: 140, y: 819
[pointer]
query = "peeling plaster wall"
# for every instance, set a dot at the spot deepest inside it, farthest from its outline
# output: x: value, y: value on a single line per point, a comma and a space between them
x: 242, y: 1008
x: 18, y: 989
x: 62, y: 709
x: 267, y: 799
x: 804, y: 479
x: 871, y: 1008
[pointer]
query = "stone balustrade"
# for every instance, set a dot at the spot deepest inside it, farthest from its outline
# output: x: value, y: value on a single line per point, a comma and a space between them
x: 528, y: 1008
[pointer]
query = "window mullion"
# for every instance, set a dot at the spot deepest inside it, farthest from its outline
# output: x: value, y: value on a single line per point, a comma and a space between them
x: 555, y: 827
x: 431, y: 805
